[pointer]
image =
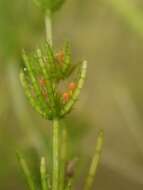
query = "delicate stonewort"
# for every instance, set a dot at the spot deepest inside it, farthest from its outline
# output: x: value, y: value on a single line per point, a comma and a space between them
x: 42, y: 76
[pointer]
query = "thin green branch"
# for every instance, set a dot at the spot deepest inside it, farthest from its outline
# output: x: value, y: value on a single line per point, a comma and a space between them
x: 67, y: 58
x: 95, y: 162
x: 32, y: 75
x: 29, y: 95
x: 26, y: 172
x: 48, y: 26
x: 46, y: 76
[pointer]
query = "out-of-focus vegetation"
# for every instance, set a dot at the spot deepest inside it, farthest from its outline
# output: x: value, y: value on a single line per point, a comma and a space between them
x: 108, y: 33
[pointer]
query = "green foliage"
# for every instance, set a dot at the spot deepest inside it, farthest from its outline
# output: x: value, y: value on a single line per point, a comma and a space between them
x: 42, y: 74
x: 52, y: 5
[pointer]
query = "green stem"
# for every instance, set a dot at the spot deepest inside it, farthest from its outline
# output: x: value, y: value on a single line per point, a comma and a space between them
x: 55, y: 180
x: 55, y: 183
x: 26, y: 172
x: 48, y: 26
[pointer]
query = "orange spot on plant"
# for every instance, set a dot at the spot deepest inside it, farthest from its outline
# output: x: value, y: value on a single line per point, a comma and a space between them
x: 60, y: 56
x: 66, y: 96
x: 72, y: 86
x: 42, y: 82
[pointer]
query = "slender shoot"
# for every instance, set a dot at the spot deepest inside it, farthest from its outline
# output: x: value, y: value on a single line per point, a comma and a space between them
x: 94, y: 162
x: 26, y: 172
x: 48, y: 26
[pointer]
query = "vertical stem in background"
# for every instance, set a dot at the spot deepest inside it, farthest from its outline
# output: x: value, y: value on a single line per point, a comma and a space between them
x: 43, y: 174
x: 95, y: 162
x: 48, y: 26
x: 26, y: 172
x: 55, y: 182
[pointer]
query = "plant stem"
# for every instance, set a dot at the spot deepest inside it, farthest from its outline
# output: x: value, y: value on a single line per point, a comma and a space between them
x: 48, y: 26
x: 55, y: 180
x: 55, y: 183
x: 26, y: 172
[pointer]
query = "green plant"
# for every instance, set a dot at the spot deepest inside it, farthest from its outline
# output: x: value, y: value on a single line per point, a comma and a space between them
x: 52, y: 83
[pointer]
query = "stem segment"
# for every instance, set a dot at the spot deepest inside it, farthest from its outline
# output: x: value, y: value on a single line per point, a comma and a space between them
x: 55, y: 180
x: 48, y: 26
x: 55, y: 154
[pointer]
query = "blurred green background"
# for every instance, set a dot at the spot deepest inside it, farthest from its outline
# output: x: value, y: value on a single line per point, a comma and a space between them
x: 109, y: 34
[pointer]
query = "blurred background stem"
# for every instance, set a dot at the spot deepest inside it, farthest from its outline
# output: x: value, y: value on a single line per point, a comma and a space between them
x: 95, y: 162
x: 48, y: 26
